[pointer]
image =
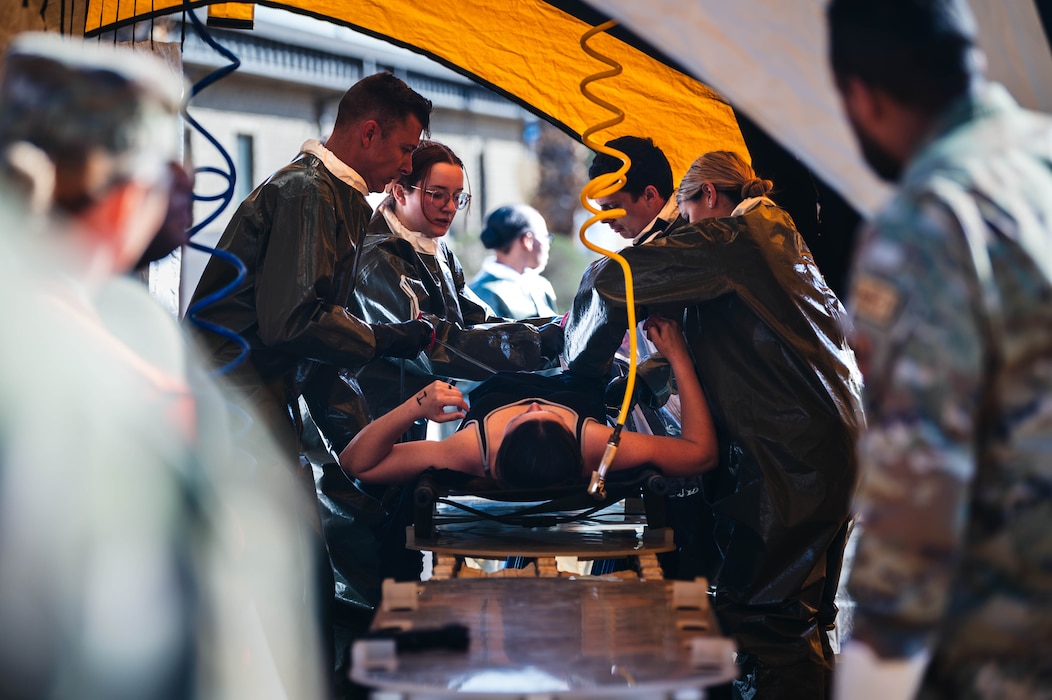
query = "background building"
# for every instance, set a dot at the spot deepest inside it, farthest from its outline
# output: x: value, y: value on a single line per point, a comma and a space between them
x: 293, y: 72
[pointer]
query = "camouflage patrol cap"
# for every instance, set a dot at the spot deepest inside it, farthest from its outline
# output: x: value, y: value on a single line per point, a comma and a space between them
x: 100, y: 114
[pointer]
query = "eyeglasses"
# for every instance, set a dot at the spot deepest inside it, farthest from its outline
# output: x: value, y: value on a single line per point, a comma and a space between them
x: 440, y: 198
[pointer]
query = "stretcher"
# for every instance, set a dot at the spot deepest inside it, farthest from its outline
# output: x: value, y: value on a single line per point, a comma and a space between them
x: 544, y: 638
x: 550, y: 530
x: 528, y: 507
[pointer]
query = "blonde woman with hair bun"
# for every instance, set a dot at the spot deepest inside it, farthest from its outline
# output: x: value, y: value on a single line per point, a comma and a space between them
x: 718, y: 184
x: 767, y: 339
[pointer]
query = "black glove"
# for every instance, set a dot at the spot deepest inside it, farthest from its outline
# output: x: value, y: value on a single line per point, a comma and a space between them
x: 552, y: 340
x: 406, y: 339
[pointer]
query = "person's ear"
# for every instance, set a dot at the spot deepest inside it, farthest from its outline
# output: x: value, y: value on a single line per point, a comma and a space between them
x: 709, y: 194
x: 529, y: 240
x: 370, y: 132
x: 864, y: 103
x: 399, y: 193
x: 651, y: 193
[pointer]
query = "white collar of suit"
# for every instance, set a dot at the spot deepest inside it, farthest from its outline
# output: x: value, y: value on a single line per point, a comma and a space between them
x: 503, y: 272
x: 421, y: 243
x: 335, y: 166
x: 668, y: 214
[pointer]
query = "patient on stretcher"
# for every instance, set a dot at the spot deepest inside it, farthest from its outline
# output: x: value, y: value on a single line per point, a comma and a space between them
x: 534, y: 442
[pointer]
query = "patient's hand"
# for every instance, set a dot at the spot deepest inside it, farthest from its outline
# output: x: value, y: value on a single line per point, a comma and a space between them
x: 440, y: 401
x: 667, y: 337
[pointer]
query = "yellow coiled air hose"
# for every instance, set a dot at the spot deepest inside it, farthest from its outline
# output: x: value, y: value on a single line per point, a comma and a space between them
x: 604, y: 186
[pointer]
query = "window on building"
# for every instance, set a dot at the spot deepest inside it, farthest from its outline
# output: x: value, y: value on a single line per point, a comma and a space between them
x: 480, y: 188
x: 245, y: 164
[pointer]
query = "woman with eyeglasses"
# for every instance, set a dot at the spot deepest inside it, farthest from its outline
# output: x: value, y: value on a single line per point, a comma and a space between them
x: 403, y: 269
x: 511, y: 281
x: 406, y: 271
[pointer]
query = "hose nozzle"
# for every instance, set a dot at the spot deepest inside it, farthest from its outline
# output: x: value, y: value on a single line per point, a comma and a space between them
x: 597, y: 485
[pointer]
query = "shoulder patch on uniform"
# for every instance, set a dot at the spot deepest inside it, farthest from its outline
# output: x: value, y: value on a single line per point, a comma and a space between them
x: 874, y: 300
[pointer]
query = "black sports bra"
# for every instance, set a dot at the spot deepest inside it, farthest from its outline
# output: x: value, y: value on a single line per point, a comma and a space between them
x: 479, y: 424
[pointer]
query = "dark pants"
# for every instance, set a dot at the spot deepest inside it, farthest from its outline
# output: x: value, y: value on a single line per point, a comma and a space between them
x: 784, y: 649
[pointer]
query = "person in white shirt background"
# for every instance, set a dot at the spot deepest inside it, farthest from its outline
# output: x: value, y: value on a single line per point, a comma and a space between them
x: 511, y: 281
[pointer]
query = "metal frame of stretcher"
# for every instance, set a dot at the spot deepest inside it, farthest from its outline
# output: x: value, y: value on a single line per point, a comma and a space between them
x: 536, y: 508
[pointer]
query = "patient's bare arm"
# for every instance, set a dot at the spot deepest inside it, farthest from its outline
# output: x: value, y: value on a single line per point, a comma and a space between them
x: 372, y: 454
x: 696, y: 422
x: 694, y: 451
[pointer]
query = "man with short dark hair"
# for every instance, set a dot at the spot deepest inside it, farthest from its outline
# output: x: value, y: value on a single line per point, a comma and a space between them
x: 649, y: 200
x: 298, y: 236
x: 951, y: 297
x: 648, y: 196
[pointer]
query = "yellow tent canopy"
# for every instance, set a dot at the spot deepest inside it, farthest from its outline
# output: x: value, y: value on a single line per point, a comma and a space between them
x: 527, y: 50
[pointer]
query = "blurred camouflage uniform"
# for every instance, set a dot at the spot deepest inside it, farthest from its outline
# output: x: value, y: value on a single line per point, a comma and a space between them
x: 145, y: 551
x: 952, y: 300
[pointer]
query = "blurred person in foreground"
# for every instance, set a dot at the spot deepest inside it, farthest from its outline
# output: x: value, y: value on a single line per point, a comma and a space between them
x: 510, y: 281
x: 768, y: 342
x: 125, y: 569
x: 951, y: 297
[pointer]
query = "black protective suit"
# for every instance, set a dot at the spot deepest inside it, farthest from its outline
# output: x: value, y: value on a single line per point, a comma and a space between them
x: 397, y: 283
x: 297, y: 235
x: 769, y: 346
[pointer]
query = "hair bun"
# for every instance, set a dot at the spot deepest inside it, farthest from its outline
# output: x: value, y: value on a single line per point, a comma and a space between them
x: 756, y: 187
x: 504, y: 225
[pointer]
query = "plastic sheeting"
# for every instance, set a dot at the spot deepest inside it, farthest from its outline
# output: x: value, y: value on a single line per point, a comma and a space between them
x: 395, y: 284
x: 769, y: 346
x: 291, y: 305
